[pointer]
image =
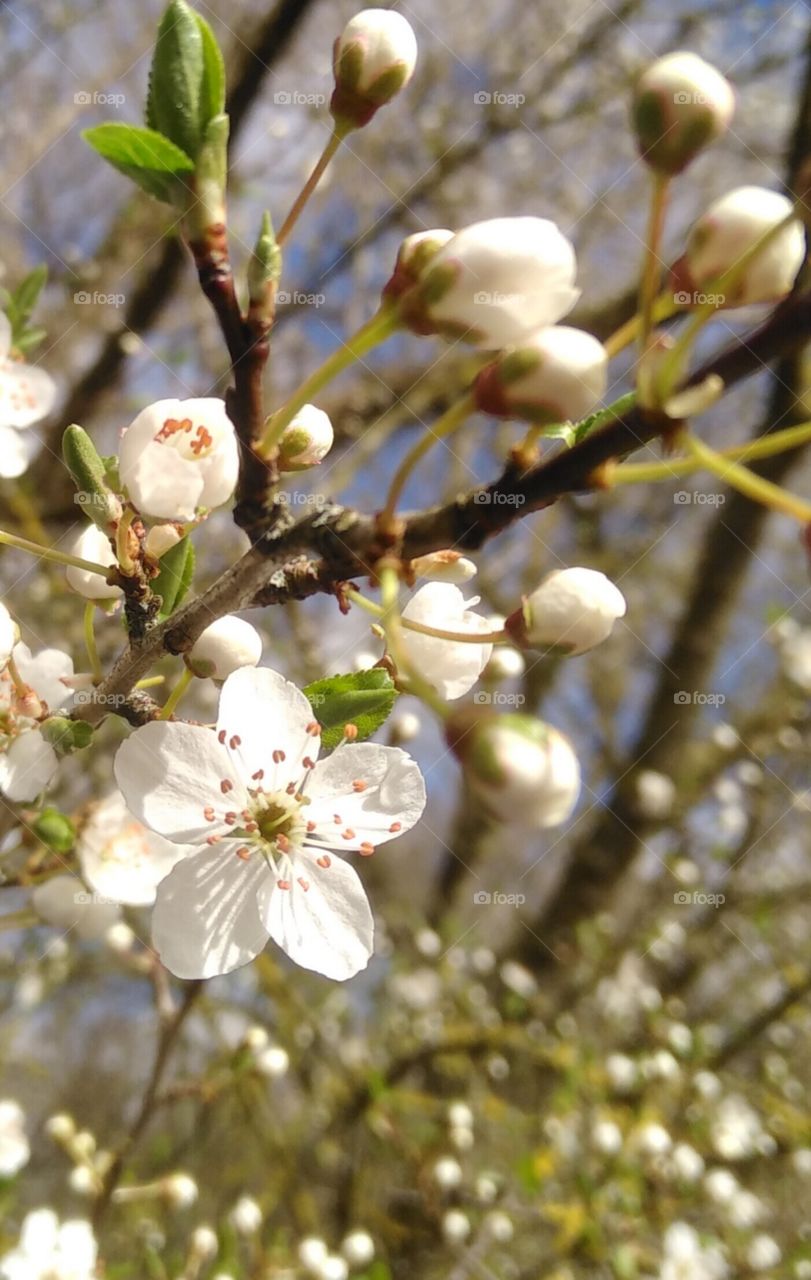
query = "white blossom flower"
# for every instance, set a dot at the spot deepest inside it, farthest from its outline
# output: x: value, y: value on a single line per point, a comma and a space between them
x: 226, y: 645
x: 727, y: 230
x: 557, y: 375
x: 447, y: 1173
x: 735, y: 1129
x: 524, y: 771
x: 14, y: 1149
x: 795, y: 657
x: 9, y: 635
x: 27, y: 761
x: 48, y: 1250
x: 687, y: 1163
x: 120, y: 858
x: 92, y: 543
x: 681, y: 104
x: 64, y: 903
x: 178, y: 457
x: 358, y: 1248
x: 374, y: 58
x: 451, y: 667
x: 312, y: 1253
x: 246, y: 1216
x: 607, y: 1137
x: 653, y: 1139
x: 499, y: 1226
x: 179, y: 1190
x: 763, y: 1253
x: 622, y: 1072
x: 654, y: 795
x: 204, y: 1243
x: 27, y: 394
x: 572, y: 610
x: 686, y: 1258
x: 494, y: 282
x: 455, y: 1226
x: 307, y: 440
x: 266, y: 819
x: 272, y: 1061
x: 720, y: 1185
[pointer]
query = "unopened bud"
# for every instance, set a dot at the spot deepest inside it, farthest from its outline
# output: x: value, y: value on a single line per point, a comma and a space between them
x: 224, y: 646
x: 680, y: 105
x: 373, y: 59
x: 306, y: 441
x: 572, y: 610
x: 557, y: 375
x: 444, y: 566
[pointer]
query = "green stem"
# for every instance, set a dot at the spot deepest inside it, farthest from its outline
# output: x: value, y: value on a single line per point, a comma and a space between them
x: 310, y: 185
x: 50, y: 553
x: 448, y: 422
x: 90, y: 642
x: 746, y: 482
x: 172, y: 701
x: 377, y: 611
x: 651, y: 264
x: 663, y: 308
x: 766, y: 447
x: 381, y: 326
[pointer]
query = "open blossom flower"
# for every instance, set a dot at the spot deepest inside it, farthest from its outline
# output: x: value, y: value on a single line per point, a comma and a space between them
x: 730, y: 227
x: 266, y: 818
x: 681, y: 104
x: 120, y: 858
x: 494, y: 282
x: 684, y: 1257
x: 373, y: 59
x: 64, y: 903
x: 178, y: 457
x: 307, y: 440
x: 524, y: 771
x: 572, y: 609
x: 27, y: 394
x: 48, y: 1250
x: 92, y: 544
x: 557, y: 375
x: 451, y: 667
x: 27, y: 761
x: 226, y: 645
x: 14, y: 1149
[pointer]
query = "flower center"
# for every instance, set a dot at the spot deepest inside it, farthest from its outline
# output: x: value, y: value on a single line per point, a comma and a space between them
x: 190, y: 441
x: 275, y: 823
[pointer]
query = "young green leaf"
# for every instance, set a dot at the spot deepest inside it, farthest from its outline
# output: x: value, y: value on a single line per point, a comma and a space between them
x: 175, y: 577
x: 364, y: 698
x: 149, y: 159
x: 26, y: 295
x: 176, y: 77
x: 212, y: 93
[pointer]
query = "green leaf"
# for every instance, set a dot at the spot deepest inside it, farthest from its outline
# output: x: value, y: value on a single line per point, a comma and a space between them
x: 148, y: 158
x: 364, y: 698
x: 212, y: 94
x: 30, y: 339
x: 176, y: 78
x: 174, y: 579
x: 602, y: 416
x: 26, y: 295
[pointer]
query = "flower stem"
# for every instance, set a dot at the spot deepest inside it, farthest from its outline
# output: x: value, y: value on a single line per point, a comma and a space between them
x: 121, y: 539
x: 90, y: 642
x: 765, y: 447
x: 663, y: 308
x: 180, y: 688
x: 381, y: 326
x: 377, y: 611
x: 20, y: 686
x: 651, y: 263
x: 310, y: 185
x: 746, y: 482
x: 50, y: 553
x: 448, y: 422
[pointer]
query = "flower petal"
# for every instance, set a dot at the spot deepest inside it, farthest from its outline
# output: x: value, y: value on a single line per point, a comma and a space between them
x: 27, y: 767
x: 206, y: 919
x: 263, y: 713
x: 328, y: 926
x: 172, y: 773
x: 27, y: 394
x: 122, y: 859
x: 16, y: 452
x: 391, y: 795
x: 44, y: 673
x: 451, y: 668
